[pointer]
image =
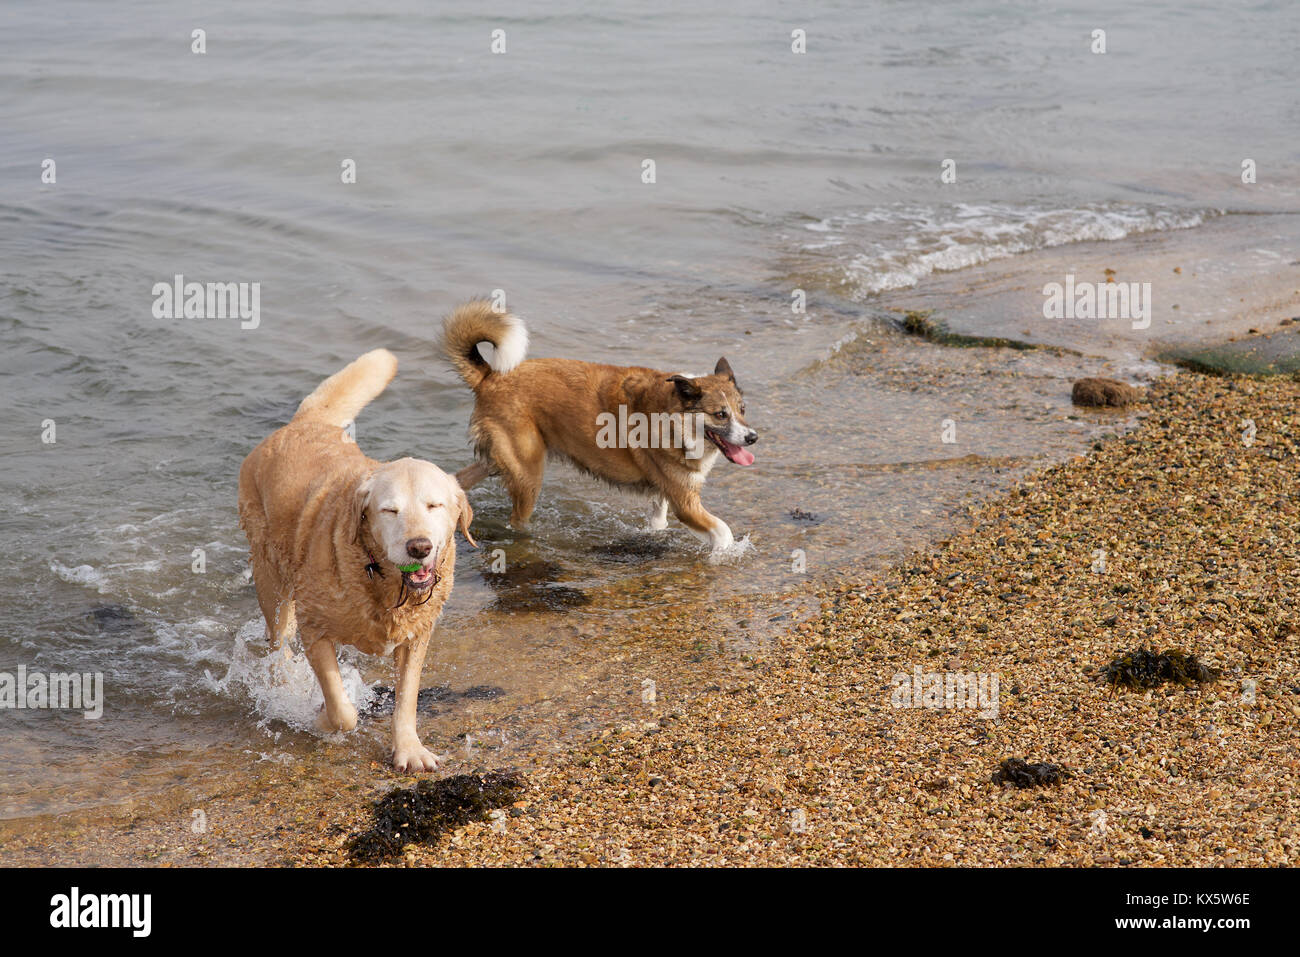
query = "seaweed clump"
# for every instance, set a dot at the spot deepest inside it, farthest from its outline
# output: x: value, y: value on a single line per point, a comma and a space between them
x: 1022, y: 774
x: 424, y: 813
x: 917, y: 322
x: 1144, y: 668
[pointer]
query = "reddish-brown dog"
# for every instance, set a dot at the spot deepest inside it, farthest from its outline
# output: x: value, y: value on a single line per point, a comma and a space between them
x: 650, y: 432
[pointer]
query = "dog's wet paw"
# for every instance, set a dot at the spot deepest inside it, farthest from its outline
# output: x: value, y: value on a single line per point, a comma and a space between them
x: 343, y: 719
x: 414, y: 759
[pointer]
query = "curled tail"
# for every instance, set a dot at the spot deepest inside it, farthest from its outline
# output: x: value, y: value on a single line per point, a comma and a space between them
x: 338, y: 399
x: 476, y: 322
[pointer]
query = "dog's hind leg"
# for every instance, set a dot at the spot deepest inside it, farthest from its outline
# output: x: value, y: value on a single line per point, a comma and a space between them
x: 275, y: 600
x: 658, y: 517
x: 522, y: 460
x: 286, y: 625
x: 471, y: 475
x: 524, y: 487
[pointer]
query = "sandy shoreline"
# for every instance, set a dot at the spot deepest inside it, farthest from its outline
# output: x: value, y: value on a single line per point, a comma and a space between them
x: 802, y: 758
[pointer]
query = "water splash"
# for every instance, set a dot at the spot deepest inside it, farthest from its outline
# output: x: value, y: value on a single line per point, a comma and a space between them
x: 281, y: 688
x: 734, y: 553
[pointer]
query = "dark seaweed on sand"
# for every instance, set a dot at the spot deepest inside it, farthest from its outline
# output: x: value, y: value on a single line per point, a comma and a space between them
x: 1022, y: 774
x: 1144, y: 668
x: 918, y: 323
x: 383, y: 700
x: 424, y: 813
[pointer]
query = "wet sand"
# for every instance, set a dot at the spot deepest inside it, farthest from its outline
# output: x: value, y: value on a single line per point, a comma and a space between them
x: 790, y: 750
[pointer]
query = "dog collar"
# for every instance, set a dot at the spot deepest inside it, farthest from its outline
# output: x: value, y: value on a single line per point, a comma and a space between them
x: 373, y: 567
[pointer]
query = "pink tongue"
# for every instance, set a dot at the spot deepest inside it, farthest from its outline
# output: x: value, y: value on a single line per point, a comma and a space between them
x: 737, y: 454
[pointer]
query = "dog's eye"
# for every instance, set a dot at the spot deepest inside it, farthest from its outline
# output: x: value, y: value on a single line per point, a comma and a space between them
x: 390, y: 511
x: 720, y: 414
x: 433, y: 505
x: 742, y: 408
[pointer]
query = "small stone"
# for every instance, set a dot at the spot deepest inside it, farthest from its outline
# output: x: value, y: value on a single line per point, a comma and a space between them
x: 1102, y: 392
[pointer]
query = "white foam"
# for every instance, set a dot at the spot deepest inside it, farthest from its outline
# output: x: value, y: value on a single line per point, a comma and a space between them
x: 86, y: 575
x: 896, y: 247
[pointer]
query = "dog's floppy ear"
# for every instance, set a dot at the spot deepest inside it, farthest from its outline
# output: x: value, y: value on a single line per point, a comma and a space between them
x: 360, y: 502
x: 724, y: 368
x: 466, y: 513
x: 686, y: 388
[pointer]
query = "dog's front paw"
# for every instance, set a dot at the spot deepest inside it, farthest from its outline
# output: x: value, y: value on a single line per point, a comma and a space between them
x: 342, y: 717
x: 720, y: 538
x: 414, y: 758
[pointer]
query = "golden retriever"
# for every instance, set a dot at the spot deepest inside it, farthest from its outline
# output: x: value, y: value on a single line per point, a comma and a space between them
x: 350, y: 550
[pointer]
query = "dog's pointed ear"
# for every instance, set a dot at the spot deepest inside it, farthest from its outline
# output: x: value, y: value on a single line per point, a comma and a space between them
x: 686, y: 388
x: 466, y: 514
x: 360, y: 502
x: 724, y: 368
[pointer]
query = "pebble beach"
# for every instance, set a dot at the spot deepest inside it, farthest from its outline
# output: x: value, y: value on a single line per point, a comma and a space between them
x: 804, y: 760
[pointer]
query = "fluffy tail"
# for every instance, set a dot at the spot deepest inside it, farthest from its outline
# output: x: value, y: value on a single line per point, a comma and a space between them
x: 338, y: 399
x: 476, y: 322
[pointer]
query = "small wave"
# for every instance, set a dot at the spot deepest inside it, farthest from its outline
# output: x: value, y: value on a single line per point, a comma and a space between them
x: 86, y: 575
x: 896, y: 247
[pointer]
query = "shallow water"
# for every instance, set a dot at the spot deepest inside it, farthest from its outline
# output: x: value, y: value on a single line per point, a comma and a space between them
x: 522, y: 172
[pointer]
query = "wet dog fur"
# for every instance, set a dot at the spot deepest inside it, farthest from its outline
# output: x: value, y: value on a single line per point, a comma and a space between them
x: 330, y: 528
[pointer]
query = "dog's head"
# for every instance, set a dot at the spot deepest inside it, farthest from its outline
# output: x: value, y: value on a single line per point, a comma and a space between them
x: 406, y: 512
x: 718, y: 405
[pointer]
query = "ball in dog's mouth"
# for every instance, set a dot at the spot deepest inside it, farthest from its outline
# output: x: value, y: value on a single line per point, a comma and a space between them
x: 734, y: 453
x: 416, y: 576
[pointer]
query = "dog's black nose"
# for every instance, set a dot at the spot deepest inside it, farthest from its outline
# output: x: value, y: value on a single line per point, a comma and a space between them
x: 418, y: 547
x: 751, y: 438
